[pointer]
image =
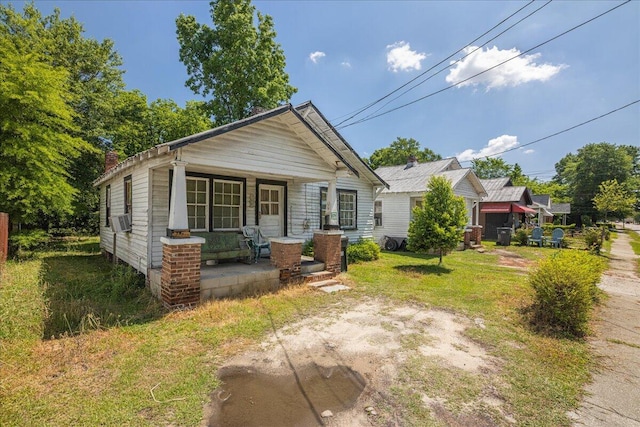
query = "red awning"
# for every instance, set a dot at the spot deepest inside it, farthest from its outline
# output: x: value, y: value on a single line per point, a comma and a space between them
x: 522, y: 209
x: 503, y: 207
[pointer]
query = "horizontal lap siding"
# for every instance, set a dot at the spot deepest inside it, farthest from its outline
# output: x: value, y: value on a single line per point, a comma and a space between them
x: 304, y: 204
x: 159, y: 213
x: 466, y: 190
x: 396, y: 213
x: 260, y: 150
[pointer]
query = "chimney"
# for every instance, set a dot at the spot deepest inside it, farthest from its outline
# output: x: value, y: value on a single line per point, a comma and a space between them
x: 411, y: 162
x: 110, y: 160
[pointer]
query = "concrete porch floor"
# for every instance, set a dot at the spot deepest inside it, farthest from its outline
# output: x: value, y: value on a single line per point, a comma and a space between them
x: 229, y: 279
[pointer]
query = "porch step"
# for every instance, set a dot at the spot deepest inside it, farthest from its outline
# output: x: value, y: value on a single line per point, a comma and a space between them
x: 317, y: 276
x: 311, y: 266
x: 329, y: 286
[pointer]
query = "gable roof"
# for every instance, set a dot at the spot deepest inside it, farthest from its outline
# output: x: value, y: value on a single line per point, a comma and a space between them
x: 414, y: 179
x: 305, y: 120
x: 543, y: 199
x: 501, y: 190
x: 560, y: 208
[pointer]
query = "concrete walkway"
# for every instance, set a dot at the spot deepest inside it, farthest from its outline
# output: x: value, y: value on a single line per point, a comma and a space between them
x: 613, y: 398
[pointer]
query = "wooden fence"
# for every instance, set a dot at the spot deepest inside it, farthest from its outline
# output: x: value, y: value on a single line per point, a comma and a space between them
x: 4, y: 236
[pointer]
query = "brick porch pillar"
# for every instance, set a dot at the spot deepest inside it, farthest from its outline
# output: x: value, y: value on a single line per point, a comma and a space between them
x: 467, y: 237
x: 180, y: 278
x: 286, y: 255
x: 326, y: 249
x: 476, y: 234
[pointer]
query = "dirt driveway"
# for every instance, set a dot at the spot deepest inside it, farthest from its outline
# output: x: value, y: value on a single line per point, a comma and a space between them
x: 345, y: 366
x: 613, y: 398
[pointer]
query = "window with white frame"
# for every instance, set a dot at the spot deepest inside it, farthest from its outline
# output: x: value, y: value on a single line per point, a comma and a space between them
x: 377, y: 213
x: 198, y: 203
x: 128, y: 197
x: 227, y: 204
x: 107, y: 205
x: 347, y: 208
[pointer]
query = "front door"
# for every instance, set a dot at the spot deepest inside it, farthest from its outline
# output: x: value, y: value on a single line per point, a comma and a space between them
x: 270, y: 210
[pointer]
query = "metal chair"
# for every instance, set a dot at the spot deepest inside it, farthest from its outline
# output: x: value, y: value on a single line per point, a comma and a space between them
x: 256, y: 240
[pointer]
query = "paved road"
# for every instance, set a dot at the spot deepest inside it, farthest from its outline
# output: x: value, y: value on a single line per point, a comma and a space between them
x: 613, y: 398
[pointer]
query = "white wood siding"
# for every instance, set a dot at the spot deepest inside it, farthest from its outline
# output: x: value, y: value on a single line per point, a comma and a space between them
x: 130, y: 247
x: 159, y: 213
x: 263, y: 149
x: 396, y: 215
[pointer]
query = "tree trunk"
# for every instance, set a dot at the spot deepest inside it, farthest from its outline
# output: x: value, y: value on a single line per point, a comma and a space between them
x: 439, y: 263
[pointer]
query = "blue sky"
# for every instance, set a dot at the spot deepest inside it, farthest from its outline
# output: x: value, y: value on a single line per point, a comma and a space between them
x: 344, y: 55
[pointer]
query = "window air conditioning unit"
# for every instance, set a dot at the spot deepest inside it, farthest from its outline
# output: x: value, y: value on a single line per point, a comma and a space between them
x: 120, y: 223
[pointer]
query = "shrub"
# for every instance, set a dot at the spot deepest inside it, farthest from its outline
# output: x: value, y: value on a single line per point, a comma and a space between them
x: 307, y: 248
x: 25, y: 242
x: 363, y: 250
x: 593, y: 239
x: 565, y: 291
x: 521, y: 236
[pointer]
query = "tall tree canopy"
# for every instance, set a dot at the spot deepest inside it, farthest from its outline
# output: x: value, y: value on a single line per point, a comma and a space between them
x: 593, y: 164
x: 239, y: 64
x: 439, y: 223
x: 398, y: 153
x: 614, y: 198
x: 36, y: 132
x: 492, y: 167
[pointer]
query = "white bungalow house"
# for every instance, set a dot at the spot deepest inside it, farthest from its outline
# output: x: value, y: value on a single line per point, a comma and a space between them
x: 285, y: 170
x: 407, y: 185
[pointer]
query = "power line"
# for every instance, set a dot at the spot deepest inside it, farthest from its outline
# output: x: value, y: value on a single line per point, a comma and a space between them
x: 460, y: 59
x: 559, y: 132
x: 484, y: 71
x: 371, y: 104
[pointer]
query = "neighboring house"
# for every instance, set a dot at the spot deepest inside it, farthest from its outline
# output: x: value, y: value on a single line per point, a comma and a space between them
x: 504, y: 206
x: 273, y: 169
x: 407, y: 185
x: 561, y: 210
x: 542, y: 205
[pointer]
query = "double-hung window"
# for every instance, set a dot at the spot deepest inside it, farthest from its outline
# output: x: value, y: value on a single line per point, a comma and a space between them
x: 198, y: 203
x: 377, y: 213
x: 227, y: 204
x: 128, y: 197
x: 347, y: 208
x: 107, y: 205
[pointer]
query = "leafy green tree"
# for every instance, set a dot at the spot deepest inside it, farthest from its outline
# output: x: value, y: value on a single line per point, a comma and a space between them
x: 239, y: 64
x: 36, y: 130
x: 399, y: 152
x: 593, y: 164
x: 439, y: 223
x: 93, y: 78
x: 168, y: 122
x: 491, y: 167
x: 613, y: 197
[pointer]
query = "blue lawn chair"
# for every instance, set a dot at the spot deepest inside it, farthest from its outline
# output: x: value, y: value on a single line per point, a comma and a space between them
x: 556, y: 238
x: 536, y: 237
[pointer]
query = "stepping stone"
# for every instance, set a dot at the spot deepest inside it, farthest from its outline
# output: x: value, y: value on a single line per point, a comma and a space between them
x: 334, y: 288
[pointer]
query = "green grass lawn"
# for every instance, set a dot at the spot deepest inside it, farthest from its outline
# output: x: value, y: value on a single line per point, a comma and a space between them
x: 114, y: 343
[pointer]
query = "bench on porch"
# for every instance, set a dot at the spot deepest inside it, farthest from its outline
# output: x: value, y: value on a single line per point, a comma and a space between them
x: 223, y: 245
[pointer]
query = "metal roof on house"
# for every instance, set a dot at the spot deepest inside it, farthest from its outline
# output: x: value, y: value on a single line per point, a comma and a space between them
x: 542, y: 199
x: 501, y: 190
x: 560, y: 208
x: 403, y: 179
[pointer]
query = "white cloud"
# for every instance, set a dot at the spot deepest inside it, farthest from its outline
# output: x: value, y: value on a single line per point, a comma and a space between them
x: 400, y: 57
x: 346, y: 64
x: 515, y: 72
x: 529, y: 151
x: 496, y: 145
x: 315, y: 56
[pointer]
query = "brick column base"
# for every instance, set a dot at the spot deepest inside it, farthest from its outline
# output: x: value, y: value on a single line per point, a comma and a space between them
x: 286, y: 255
x: 326, y: 249
x: 476, y: 234
x: 467, y: 238
x: 180, y: 278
